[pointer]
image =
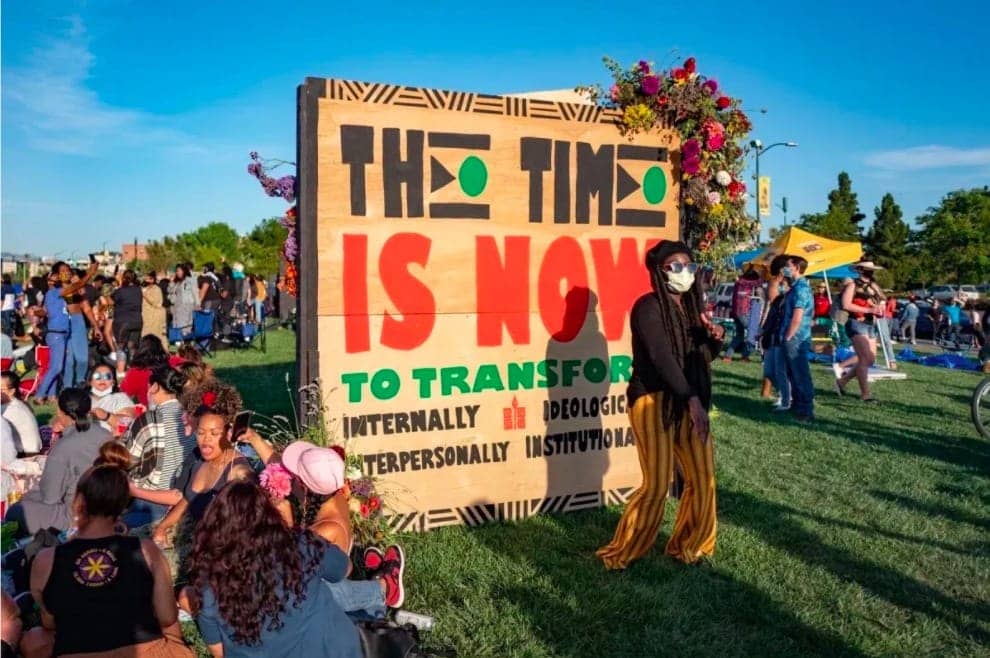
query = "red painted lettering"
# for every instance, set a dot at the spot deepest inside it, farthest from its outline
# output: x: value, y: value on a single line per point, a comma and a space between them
x: 357, y: 334
x: 621, y: 280
x: 502, y: 288
x: 563, y: 314
x: 410, y: 295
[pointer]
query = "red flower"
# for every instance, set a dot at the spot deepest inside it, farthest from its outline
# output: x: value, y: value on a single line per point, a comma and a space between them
x: 736, y: 189
x: 209, y: 398
x: 375, y: 503
x: 365, y: 511
x: 291, y: 212
x: 723, y: 102
x: 690, y: 65
x: 662, y: 101
x: 680, y: 74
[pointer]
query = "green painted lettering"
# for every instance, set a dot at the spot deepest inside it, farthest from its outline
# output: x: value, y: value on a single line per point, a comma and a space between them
x: 488, y: 378
x: 521, y: 375
x: 595, y: 370
x: 454, y: 377
x: 385, y: 384
x: 620, y: 366
x: 425, y: 377
x: 354, y: 381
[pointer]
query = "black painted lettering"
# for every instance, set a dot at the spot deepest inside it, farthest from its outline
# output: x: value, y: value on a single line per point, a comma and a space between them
x: 397, y: 172
x: 595, y: 178
x: 534, y: 157
x: 357, y: 149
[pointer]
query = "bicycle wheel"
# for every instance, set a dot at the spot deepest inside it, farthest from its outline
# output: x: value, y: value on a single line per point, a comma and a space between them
x: 981, y: 408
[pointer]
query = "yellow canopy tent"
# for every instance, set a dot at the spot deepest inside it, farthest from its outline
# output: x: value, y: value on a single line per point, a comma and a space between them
x: 821, y: 253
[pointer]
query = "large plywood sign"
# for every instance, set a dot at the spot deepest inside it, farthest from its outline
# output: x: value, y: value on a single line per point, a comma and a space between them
x: 467, y: 271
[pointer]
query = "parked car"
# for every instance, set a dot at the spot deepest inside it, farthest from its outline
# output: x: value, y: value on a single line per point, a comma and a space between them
x: 967, y: 293
x: 943, y: 293
x: 721, y: 299
x: 926, y: 330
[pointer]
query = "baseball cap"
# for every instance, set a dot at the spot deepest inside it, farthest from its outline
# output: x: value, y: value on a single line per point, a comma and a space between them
x: 320, y: 469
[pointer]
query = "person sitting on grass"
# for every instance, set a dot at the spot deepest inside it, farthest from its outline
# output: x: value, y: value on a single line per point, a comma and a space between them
x: 150, y: 354
x: 101, y: 592
x: 109, y: 404
x: 27, y: 436
x: 49, y: 504
x: 220, y: 463
x: 323, y: 495
x: 261, y: 585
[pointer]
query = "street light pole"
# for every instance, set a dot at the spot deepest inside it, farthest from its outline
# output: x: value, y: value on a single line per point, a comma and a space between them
x: 758, y: 150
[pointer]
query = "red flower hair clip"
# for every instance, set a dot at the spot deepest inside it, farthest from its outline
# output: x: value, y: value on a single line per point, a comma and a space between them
x: 209, y: 398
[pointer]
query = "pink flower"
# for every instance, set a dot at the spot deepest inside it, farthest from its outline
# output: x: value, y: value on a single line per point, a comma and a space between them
x: 276, y: 480
x: 710, y: 86
x: 716, y: 141
x: 690, y: 148
x: 613, y: 92
x: 650, y: 85
x: 692, y: 165
x: 714, y: 198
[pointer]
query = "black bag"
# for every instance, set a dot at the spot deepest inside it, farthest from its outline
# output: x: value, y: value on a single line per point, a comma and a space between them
x: 18, y: 561
x: 772, y: 322
x: 385, y: 639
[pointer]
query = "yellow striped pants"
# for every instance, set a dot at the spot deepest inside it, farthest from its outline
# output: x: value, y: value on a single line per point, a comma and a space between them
x: 694, y: 529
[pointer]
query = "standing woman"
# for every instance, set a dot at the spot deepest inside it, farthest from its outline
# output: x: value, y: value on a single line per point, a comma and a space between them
x: 127, y: 321
x: 864, y: 301
x: 56, y: 311
x: 77, y: 354
x: 153, y: 308
x: 183, y: 297
x: 669, y: 394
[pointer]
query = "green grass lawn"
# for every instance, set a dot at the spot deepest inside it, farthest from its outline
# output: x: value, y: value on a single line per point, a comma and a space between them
x: 867, y: 533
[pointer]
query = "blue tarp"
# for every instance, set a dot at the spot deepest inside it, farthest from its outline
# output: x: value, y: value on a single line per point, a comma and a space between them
x: 743, y: 257
x: 836, y: 273
x: 946, y: 360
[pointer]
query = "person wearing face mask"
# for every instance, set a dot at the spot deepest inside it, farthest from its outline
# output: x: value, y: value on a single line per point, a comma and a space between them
x: 109, y: 404
x: 673, y: 344
x: 774, y: 362
x: 183, y: 297
x: 795, y: 333
x: 158, y: 444
x: 863, y: 299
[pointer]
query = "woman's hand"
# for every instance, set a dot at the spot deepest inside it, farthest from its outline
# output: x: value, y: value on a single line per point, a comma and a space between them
x: 717, y: 331
x: 160, y: 536
x: 699, y: 419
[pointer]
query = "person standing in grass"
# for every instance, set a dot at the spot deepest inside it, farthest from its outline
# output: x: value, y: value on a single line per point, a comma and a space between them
x: 795, y: 332
x: 670, y: 391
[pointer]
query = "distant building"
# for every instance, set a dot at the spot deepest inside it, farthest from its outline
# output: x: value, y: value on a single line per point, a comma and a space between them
x: 134, y: 252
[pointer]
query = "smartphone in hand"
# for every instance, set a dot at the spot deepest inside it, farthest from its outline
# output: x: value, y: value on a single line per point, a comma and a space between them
x: 242, y: 422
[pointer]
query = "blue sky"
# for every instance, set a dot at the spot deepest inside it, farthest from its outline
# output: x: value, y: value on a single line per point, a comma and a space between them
x: 134, y: 119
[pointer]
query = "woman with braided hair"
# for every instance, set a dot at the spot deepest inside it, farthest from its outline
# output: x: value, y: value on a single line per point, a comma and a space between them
x: 673, y: 344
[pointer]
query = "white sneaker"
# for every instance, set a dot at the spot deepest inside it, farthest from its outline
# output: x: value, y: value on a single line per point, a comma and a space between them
x: 838, y: 370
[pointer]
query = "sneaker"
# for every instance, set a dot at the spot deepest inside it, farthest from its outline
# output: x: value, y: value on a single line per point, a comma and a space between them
x: 373, y: 559
x: 779, y: 409
x: 391, y: 574
x: 837, y: 369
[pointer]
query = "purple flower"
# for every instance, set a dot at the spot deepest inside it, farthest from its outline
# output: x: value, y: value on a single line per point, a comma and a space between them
x: 691, y: 148
x: 644, y: 66
x: 255, y: 169
x: 710, y: 86
x: 254, y: 155
x: 650, y: 85
x: 287, y: 188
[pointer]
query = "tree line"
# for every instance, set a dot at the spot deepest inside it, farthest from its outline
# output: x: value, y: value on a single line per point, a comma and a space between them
x: 259, y: 249
x: 951, y: 243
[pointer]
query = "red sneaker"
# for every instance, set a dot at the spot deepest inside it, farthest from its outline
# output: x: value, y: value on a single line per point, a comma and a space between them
x: 373, y: 559
x: 391, y: 574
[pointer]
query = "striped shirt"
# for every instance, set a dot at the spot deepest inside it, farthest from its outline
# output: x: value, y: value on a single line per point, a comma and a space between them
x: 158, y: 445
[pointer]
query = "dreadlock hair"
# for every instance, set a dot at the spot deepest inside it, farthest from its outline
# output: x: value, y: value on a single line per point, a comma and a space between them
x: 310, y: 507
x: 688, y: 338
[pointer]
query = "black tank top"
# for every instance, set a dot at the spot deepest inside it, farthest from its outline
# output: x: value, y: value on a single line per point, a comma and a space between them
x: 100, y: 593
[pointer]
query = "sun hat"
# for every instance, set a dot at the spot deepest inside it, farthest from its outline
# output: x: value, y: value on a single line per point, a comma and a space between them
x: 866, y: 265
x: 320, y: 469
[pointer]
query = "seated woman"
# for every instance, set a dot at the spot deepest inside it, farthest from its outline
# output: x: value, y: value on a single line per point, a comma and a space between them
x: 149, y: 355
x: 274, y: 603
x: 318, y: 484
x: 50, y: 503
x: 220, y: 463
x: 158, y: 444
x: 109, y: 404
x: 101, y: 592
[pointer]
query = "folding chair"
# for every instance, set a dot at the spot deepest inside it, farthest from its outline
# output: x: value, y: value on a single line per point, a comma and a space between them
x: 43, y: 356
x: 199, y: 334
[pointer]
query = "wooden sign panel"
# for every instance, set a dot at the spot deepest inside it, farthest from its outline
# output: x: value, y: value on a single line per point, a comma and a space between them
x: 468, y: 263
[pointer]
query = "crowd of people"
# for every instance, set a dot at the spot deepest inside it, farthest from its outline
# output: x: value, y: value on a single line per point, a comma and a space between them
x: 85, y: 317
x: 152, y: 480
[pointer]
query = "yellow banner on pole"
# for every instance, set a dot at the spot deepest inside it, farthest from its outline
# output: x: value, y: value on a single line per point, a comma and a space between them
x: 764, y: 196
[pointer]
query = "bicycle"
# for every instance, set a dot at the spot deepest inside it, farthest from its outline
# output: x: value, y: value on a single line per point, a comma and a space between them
x: 980, y: 408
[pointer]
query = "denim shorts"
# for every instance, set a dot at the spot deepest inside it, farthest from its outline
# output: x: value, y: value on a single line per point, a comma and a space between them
x: 860, y: 328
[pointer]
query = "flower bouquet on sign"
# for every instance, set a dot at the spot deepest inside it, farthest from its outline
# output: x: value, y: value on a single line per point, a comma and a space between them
x: 366, y: 503
x: 284, y: 188
x: 713, y: 130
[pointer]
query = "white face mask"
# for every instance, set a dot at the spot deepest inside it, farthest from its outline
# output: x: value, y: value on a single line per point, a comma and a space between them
x: 96, y: 393
x: 680, y: 282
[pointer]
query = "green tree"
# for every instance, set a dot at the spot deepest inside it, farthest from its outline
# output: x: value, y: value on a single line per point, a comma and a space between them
x: 886, y: 243
x: 956, y: 236
x: 841, y: 220
x: 262, y: 247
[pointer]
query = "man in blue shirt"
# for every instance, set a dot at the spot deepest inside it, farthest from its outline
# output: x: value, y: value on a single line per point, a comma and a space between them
x: 56, y: 338
x: 796, y: 338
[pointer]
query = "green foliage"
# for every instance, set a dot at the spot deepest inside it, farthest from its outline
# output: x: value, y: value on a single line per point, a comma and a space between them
x: 218, y: 243
x: 886, y: 241
x: 841, y: 220
x: 956, y: 234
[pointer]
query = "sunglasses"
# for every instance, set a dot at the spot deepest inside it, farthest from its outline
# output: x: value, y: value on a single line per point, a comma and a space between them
x: 102, y: 376
x: 677, y: 268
